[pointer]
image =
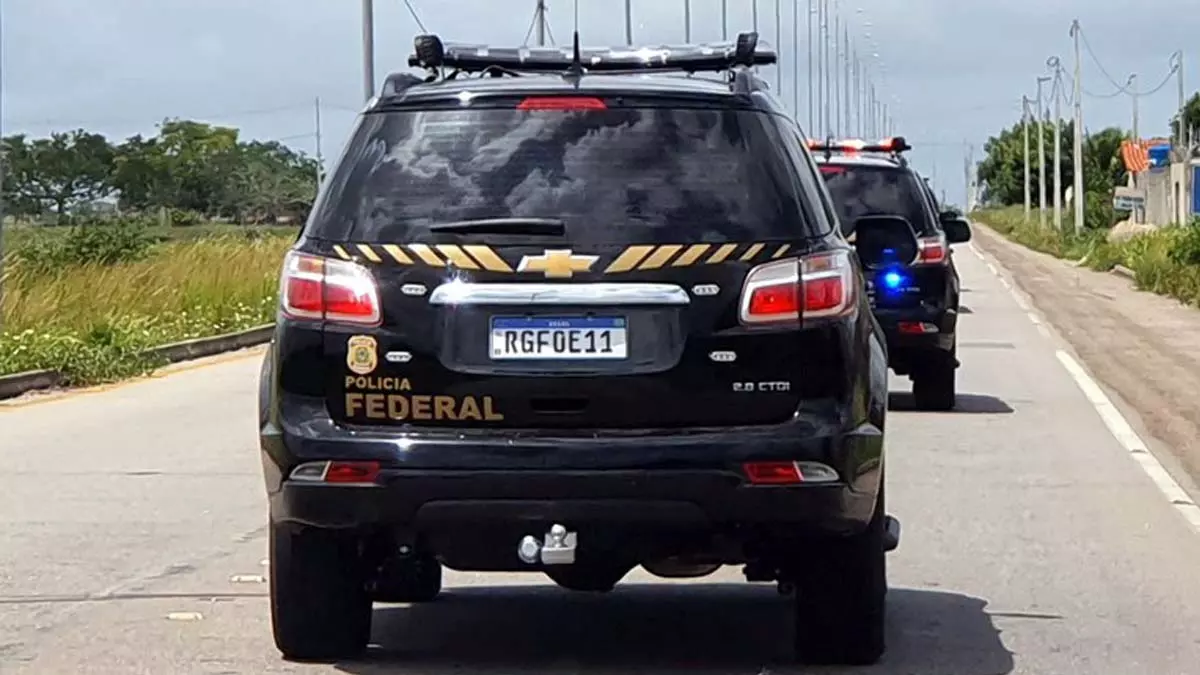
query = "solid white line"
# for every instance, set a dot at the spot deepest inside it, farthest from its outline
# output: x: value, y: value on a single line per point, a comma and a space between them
x: 1128, y: 438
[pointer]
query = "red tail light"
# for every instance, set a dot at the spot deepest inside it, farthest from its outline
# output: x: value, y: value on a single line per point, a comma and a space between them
x: 352, y: 472
x: 562, y: 103
x: 815, y: 286
x: 324, y: 289
x: 932, y: 250
x: 773, y: 473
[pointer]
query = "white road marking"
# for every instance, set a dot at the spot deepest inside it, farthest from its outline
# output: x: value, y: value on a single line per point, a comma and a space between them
x: 247, y: 579
x: 184, y: 616
x: 1128, y: 438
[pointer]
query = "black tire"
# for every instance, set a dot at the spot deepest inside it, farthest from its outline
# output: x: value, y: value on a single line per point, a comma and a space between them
x: 840, y: 599
x: 934, y: 383
x: 417, y: 578
x: 320, y: 610
x: 587, y: 578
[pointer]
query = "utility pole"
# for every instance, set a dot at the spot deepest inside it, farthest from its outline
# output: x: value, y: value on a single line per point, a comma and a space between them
x: 1041, y: 138
x: 540, y: 20
x: 629, y: 22
x: 796, y: 65
x: 1077, y: 191
x: 834, y: 74
x: 858, y: 108
x: 846, y: 84
x: 320, y: 159
x: 687, y: 21
x: 812, y: 120
x: 779, y: 45
x: 754, y: 15
x: 724, y: 19
x: 1025, y: 129
x: 825, y: 74
x: 1136, y: 137
x: 1056, y: 91
x: 368, y: 38
x: 1182, y: 104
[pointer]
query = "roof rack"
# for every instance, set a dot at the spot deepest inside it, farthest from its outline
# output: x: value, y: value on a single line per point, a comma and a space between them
x: 893, y: 146
x: 432, y: 54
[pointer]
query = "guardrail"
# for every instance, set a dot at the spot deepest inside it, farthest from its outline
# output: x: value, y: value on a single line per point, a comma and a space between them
x: 12, y: 386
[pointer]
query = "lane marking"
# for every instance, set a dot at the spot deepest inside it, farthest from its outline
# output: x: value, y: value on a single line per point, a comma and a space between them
x: 1133, y: 444
x: 184, y: 616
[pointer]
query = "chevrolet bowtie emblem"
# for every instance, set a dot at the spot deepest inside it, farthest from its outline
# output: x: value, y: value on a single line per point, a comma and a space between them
x: 558, y: 264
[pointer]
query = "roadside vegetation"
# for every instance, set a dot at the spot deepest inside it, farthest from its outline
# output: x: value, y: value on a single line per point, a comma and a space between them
x: 1164, y: 261
x: 111, y: 249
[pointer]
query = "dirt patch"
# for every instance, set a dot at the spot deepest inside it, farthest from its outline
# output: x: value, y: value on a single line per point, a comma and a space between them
x: 1143, y: 346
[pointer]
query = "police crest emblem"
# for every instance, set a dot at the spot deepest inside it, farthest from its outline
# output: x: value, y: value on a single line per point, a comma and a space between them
x: 362, y: 354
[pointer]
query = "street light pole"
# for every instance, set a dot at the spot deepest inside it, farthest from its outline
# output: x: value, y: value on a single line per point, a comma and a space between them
x: 1054, y: 63
x: 368, y: 39
x: 1077, y: 192
x: 1041, y: 154
x: 1025, y: 128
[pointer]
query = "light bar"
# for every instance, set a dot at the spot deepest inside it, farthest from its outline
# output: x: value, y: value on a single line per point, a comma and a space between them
x: 431, y: 52
x: 895, y: 144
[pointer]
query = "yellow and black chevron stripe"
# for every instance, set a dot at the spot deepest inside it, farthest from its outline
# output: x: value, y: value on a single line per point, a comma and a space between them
x: 635, y: 258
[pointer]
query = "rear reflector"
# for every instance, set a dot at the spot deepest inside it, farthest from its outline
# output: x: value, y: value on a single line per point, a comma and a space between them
x: 339, y: 472
x: 916, y: 328
x: 562, y: 103
x: 788, y: 473
x: 312, y: 287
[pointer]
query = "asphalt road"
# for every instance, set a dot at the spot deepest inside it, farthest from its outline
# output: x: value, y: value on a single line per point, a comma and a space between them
x: 132, y: 540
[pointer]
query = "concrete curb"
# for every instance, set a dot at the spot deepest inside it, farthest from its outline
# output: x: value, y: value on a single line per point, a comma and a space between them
x: 12, y: 386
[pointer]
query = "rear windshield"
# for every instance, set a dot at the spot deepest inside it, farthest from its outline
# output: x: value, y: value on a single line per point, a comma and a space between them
x: 859, y: 191
x: 621, y: 175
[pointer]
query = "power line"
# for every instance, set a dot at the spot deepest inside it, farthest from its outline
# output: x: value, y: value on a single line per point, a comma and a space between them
x: 1121, y: 88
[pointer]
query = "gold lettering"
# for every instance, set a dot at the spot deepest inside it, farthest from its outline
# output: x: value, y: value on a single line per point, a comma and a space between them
x: 421, y: 407
x: 470, y: 409
x: 443, y: 408
x: 375, y: 407
x: 404, y: 385
x: 488, y: 413
x: 354, y: 404
x: 375, y: 383
x: 398, y: 407
x: 350, y: 381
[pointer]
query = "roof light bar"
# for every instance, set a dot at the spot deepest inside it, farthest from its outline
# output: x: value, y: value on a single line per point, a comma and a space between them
x: 895, y: 145
x: 430, y: 52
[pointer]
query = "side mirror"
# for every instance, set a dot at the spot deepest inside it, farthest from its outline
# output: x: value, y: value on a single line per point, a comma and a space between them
x: 885, y: 240
x: 958, y: 230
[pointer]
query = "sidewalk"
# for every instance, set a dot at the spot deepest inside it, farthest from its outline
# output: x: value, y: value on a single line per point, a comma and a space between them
x: 1143, y: 347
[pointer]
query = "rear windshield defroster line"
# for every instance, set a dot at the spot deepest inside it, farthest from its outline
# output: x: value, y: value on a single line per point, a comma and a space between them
x: 615, y: 176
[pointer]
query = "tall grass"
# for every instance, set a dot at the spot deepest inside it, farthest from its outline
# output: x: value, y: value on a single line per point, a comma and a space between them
x: 93, y: 321
x: 1165, y: 261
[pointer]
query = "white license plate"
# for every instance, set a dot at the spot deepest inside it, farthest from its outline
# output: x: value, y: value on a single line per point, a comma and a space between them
x: 558, y: 338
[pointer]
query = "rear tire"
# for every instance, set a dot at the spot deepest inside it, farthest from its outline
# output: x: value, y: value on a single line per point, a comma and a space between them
x: 935, y: 382
x: 840, y: 599
x: 416, y: 578
x: 320, y: 610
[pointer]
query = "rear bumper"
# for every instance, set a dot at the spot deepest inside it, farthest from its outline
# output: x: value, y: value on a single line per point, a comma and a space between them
x: 904, y: 346
x: 683, y: 480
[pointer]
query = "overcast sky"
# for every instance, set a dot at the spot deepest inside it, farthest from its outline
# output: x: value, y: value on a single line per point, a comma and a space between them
x: 952, y: 70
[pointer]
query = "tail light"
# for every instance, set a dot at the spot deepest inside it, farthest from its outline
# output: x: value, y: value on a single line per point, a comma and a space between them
x: 816, y: 286
x: 932, y: 250
x: 562, y: 103
x: 325, y: 289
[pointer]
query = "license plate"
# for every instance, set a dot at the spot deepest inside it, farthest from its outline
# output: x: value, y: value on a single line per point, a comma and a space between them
x: 558, y: 338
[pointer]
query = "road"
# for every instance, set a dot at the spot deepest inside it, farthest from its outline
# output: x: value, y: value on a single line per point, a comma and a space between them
x: 132, y: 540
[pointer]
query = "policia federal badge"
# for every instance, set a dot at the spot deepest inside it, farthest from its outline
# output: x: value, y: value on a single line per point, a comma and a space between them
x: 362, y: 354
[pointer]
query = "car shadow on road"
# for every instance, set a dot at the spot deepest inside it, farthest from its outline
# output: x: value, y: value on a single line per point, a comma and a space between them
x: 660, y: 628
x: 978, y: 404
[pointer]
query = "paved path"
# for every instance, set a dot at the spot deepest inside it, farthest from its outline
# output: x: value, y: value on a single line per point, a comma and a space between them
x: 1033, y: 543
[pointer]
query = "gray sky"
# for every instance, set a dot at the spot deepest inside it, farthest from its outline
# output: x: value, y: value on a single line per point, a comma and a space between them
x: 954, y: 70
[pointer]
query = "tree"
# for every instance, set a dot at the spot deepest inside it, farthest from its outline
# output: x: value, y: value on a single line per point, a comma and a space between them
x: 1191, y: 115
x: 59, y: 172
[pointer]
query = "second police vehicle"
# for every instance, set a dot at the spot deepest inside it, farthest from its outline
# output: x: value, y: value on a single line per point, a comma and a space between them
x: 572, y: 312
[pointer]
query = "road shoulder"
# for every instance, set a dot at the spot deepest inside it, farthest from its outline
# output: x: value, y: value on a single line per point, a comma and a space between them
x: 1142, y: 347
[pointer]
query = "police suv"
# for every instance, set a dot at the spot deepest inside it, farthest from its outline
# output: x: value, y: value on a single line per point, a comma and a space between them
x: 572, y: 312
x: 917, y: 303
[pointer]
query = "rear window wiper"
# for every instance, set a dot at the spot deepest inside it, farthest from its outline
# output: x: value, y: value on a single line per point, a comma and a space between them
x: 531, y: 226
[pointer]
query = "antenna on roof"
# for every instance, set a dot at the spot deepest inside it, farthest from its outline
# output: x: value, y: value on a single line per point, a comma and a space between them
x: 575, y: 72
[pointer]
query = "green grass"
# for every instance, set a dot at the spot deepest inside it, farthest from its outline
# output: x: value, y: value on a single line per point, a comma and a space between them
x: 93, y: 321
x: 1166, y: 261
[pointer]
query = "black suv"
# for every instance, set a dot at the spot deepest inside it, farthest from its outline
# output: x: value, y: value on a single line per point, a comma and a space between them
x: 548, y: 316
x: 915, y: 301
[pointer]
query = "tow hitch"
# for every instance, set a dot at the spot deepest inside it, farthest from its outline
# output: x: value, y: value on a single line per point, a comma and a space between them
x: 556, y: 548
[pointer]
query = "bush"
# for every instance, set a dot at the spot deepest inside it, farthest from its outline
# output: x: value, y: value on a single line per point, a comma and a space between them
x: 1166, y: 261
x: 94, y: 321
x: 99, y: 241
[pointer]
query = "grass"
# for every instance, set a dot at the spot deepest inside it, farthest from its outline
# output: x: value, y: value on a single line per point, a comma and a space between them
x: 1165, y: 261
x: 94, y: 321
